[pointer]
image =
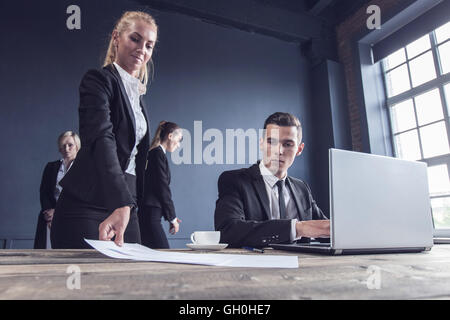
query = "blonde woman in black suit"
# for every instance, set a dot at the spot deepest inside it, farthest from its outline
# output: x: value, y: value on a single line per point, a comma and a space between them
x: 68, y: 145
x: 102, y: 189
x: 157, y: 200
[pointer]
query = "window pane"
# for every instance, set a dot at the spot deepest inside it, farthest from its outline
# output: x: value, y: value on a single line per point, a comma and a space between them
x: 407, y: 145
x: 441, y: 212
x: 429, y: 107
x: 397, y: 80
x: 395, y: 59
x: 422, y: 69
x: 418, y: 46
x: 438, y: 181
x: 434, y: 140
x: 442, y: 33
x: 444, y: 57
x: 403, y: 117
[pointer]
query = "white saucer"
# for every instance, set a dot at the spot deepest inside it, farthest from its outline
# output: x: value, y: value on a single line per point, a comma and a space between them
x: 217, y: 246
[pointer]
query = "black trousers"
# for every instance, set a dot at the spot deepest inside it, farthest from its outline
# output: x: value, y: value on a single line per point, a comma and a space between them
x: 40, y: 238
x: 152, y: 232
x: 75, y: 220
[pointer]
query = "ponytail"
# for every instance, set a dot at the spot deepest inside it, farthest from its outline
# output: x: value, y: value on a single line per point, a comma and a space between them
x: 157, y: 138
x: 164, y: 129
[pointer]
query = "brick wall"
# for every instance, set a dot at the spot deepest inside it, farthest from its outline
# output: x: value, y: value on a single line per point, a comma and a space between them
x: 345, y: 34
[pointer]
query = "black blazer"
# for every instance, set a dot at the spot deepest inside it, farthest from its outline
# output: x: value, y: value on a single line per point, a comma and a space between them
x: 157, y: 180
x: 47, y: 197
x: 242, y: 210
x: 107, y: 132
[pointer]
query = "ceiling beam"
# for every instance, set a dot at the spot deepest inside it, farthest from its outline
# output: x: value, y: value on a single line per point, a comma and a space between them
x: 247, y: 15
x: 320, y: 6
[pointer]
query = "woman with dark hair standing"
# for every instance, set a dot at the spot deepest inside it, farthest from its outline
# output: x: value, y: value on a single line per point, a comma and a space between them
x: 102, y: 189
x: 157, y: 199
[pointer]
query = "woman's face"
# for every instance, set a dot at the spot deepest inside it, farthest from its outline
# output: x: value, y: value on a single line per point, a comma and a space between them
x: 174, y: 140
x: 68, y: 148
x: 135, y: 46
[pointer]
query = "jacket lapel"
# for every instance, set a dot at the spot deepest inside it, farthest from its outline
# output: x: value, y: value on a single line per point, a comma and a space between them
x: 54, y: 172
x: 144, y: 111
x: 260, y: 187
x: 113, y: 69
x: 168, y: 170
x: 296, y: 195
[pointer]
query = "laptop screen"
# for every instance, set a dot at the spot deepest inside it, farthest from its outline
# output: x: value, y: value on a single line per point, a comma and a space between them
x: 378, y: 202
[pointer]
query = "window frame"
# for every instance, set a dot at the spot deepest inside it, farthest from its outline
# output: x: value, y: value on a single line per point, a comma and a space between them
x: 438, y: 83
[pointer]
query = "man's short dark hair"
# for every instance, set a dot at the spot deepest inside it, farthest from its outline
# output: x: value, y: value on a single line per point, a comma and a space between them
x: 284, y: 119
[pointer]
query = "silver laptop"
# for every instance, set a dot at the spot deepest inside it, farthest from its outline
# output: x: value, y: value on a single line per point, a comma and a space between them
x: 377, y: 204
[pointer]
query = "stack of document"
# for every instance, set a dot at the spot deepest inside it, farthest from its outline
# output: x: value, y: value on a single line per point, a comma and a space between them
x: 134, y: 251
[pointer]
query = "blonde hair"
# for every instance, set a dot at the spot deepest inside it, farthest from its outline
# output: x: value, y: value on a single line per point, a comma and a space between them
x: 164, y: 129
x: 124, y: 23
x: 72, y: 134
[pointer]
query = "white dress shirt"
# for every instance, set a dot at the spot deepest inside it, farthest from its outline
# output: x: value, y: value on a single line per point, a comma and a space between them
x: 272, y: 193
x: 132, y: 87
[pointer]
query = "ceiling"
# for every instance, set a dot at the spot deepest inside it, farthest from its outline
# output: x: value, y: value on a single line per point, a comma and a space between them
x: 333, y: 11
x: 290, y: 20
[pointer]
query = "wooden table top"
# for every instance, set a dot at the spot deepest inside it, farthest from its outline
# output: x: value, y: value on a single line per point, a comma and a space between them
x: 42, y: 274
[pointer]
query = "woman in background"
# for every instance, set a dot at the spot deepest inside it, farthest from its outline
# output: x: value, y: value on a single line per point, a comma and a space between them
x: 157, y: 200
x: 68, y: 145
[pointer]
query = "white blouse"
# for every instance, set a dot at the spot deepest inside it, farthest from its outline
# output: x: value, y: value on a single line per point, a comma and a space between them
x: 61, y: 173
x: 133, y: 87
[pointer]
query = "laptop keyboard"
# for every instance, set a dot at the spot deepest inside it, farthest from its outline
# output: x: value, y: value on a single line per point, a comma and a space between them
x: 315, y: 244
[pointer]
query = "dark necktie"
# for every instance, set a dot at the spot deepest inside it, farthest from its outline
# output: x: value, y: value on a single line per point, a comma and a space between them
x: 281, y: 203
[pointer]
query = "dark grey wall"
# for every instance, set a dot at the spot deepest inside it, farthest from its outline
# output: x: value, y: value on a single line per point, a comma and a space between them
x: 226, y: 78
x: 331, y: 123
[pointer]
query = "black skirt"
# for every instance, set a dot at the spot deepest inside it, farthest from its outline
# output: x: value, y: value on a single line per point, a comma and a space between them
x: 75, y: 220
x: 152, y: 232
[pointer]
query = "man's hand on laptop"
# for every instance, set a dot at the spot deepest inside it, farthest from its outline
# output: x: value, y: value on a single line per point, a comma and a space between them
x: 313, y: 228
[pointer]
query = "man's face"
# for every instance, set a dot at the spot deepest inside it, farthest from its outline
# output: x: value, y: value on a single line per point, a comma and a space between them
x: 280, y: 146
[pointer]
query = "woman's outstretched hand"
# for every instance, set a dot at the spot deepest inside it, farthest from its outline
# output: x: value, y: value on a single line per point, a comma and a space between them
x: 115, y: 225
x: 174, y: 227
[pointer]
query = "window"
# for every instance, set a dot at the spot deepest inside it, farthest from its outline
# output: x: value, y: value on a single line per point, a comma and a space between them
x: 417, y: 80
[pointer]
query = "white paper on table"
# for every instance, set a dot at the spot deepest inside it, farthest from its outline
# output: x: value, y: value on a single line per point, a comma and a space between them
x: 134, y: 251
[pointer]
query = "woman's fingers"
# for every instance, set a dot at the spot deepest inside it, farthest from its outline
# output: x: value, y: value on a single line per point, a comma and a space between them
x: 103, y: 231
x: 119, y: 238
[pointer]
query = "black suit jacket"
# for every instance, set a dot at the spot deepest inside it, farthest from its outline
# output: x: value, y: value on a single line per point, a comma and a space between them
x: 107, y: 132
x: 242, y: 210
x: 47, y: 197
x: 157, y: 180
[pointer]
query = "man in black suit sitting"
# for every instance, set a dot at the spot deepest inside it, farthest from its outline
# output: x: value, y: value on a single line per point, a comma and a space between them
x: 250, y: 212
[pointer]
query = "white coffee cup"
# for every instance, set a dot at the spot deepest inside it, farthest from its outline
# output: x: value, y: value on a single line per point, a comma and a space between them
x: 205, y: 237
